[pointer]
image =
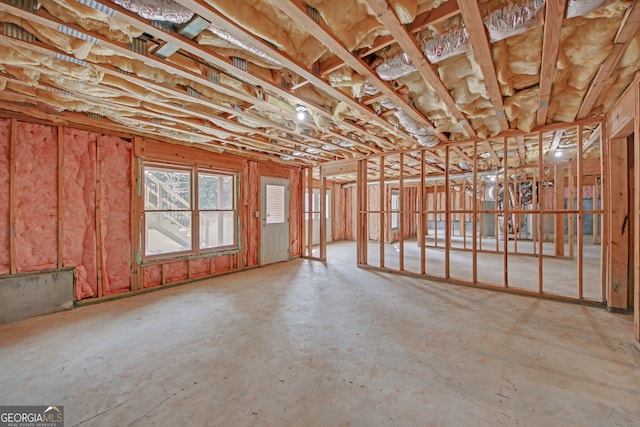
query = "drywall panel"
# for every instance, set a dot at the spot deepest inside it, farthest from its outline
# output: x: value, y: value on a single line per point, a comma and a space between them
x: 115, y: 201
x: 79, y: 203
x: 36, y: 197
x: 5, y: 138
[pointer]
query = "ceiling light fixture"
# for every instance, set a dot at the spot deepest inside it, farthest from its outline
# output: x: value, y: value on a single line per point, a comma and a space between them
x: 301, y: 113
x: 558, y: 154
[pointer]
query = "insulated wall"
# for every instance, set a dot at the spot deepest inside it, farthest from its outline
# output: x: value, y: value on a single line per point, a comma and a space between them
x: 69, y: 194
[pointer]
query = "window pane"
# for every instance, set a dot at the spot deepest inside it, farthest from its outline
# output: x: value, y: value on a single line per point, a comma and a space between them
x: 167, y: 232
x: 275, y: 204
x: 167, y: 189
x: 215, y: 191
x: 217, y: 229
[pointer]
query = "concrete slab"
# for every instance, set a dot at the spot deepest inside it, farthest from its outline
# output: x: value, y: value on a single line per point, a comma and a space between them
x: 308, y: 344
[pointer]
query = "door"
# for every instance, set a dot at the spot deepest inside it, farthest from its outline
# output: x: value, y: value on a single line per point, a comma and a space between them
x: 274, y: 236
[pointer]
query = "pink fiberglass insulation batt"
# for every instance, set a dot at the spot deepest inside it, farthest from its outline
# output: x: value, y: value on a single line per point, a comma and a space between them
x: 36, y: 197
x: 152, y: 276
x: 79, y: 218
x: 177, y: 271
x: 5, y: 134
x: 200, y: 267
x: 223, y: 263
x: 115, y: 198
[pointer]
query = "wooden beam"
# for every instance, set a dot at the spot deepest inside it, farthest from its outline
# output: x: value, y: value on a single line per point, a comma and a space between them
x: 410, y: 47
x: 482, y: 52
x: 296, y: 9
x: 382, y: 206
x: 554, y: 15
x: 49, y: 21
x: 462, y: 154
x: 595, y: 136
x: 628, y: 28
x: 210, y: 14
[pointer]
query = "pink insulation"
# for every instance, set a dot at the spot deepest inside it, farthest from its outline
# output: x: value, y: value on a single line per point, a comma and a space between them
x: 201, y: 267
x: 36, y: 197
x: 176, y: 271
x: 79, y: 219
x: 115, y: 206
x: 222, y: 263
x: 152, y: 276
x: 5, y: 136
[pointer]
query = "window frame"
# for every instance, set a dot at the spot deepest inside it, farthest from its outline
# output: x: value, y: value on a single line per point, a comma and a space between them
x: 395, y: 212
x: 195, y: 172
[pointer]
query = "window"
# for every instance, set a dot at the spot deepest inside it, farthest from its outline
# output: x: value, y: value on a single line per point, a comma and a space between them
x: 395, y: 207
x: 181, y: 217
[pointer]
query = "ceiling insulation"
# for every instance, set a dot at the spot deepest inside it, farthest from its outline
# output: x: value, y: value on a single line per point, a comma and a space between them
x: 238, y: 72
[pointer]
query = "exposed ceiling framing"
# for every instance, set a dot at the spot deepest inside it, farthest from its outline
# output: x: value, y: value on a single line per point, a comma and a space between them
x: 222, y: 96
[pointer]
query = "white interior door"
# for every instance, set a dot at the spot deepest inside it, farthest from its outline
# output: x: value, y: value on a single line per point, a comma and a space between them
x: 274, y: 213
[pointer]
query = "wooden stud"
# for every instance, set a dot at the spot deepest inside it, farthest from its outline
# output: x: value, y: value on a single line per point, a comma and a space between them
x: 474, y: 248
x: 310, y: 212
x: 12, y: 195
x: 365, y: 208
x: 323, y: 216
x: 134, y: 215
x: 99, y: 216
x: 382, y: 211
x: 636, y: 220
x: 163, y: 273
x: 558, y: 204
x: 595, y: 216
x: 60, y: 184
x: 604, y: 226
x: 571, y: 219
x: 402, y: 216
x: 580, y: 216
x: 541, y: 200
x: 447, y: 216
x: 422, y: 217
x: 505, y: 207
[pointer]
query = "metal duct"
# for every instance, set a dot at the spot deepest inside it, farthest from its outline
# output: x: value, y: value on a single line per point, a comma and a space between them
x: 446, y: 45
x: 423, y: 134
x: 230, y: 38
x: 512, y: 19
x: 158, y: 10
x: 370, y: 89
x: 396, y: 67
x: 582, y: 7
x: 175, y: 13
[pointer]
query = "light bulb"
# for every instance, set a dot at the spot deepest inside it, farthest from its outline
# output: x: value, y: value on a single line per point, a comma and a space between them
x: 300, y: 116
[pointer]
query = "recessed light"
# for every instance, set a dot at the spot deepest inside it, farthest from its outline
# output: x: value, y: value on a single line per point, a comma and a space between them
x: 558, y: 154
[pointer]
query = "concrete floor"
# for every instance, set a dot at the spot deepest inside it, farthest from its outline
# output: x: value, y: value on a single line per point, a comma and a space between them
x: 304, y: 344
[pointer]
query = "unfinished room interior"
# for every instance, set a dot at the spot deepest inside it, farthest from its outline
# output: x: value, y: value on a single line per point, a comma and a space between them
x: 354, y: 213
